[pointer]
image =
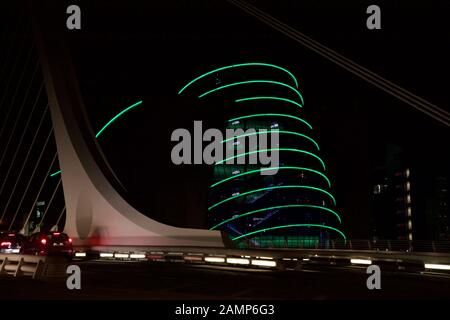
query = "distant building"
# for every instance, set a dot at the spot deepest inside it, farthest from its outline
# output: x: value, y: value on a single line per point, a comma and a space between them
x: 408, y: 201
x: 437, y: 209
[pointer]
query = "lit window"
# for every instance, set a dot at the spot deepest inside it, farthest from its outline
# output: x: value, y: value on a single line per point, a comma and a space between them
x: 409, y: 212
x: 236, y: 172
x: 377, y: 189
x: 407, y: 173
x: 408, y: 198
x: 408, y: 186
x: 409, y: 225
x: 274, y: 125
x: 410, y: 236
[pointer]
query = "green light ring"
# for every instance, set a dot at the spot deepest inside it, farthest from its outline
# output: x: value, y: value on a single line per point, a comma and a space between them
x: 273, y: 149
x: 278, y: 131
x: 291, y: 226
x: 272, y: 188
x: 277, y: 207
x: 273, y: 168
x: 55, y: 173
x: 240, y: 65
x: 116, y: 117
x: 271, y: 115
x: 251, y: 82
x: 269, y: 98
x: 107, y: 125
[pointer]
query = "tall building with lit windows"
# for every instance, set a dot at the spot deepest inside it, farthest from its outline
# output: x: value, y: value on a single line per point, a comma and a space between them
x: 392, y: 198
x: 292, y: 208
x: 409, y: 199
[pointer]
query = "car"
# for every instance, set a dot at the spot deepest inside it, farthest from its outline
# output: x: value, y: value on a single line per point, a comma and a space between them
x: 48, y: 244
x: 11, y: 242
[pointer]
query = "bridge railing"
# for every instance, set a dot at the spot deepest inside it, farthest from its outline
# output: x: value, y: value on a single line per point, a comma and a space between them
x: 36, y: 267
x: 353, y: 244
x: 289, y: 259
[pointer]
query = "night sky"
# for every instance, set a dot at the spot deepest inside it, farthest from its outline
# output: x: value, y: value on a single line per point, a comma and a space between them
x: 147, y: 50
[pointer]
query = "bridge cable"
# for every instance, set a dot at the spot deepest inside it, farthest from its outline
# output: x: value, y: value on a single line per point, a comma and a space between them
x: 36, y: 165
x: 60, y: 215
x: 274, y: 23
x: 51, y: 200
x: 418, y: 103
x: 40, y: 189
x: 16, y: 60
x: 30, y: 148
x: 29, y: 182
x: 13, y: 131
x: 11, y: 105
x: 8, y: 51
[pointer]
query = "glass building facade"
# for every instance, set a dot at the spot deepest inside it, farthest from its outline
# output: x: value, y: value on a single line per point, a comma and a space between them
x: 292, y: 208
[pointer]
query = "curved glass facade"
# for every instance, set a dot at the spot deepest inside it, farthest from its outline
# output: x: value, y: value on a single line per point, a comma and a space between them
x: 292, y: 208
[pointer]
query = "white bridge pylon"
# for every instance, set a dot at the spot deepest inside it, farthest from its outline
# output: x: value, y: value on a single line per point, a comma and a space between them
x: 96, y: 214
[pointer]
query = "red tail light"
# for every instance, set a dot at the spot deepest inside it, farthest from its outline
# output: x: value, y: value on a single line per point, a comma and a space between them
x: 44, y: 241
x: 5, y: 244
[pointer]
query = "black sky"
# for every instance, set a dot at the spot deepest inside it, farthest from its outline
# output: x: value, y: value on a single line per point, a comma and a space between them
x: 146, y: 50
x: 151, y: 50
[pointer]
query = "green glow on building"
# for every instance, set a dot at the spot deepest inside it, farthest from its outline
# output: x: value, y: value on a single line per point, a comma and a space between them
x: 273, y: 149
x: 278, y: 131
x: 272, y: 188
x: 273, y: 168
x: 274, y: 208
x: 237, y: 66
x: 271, y: 115
x: 262, y: 90
x: 270, y: 98
x: 290, y: 226
x: 252, y: 82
